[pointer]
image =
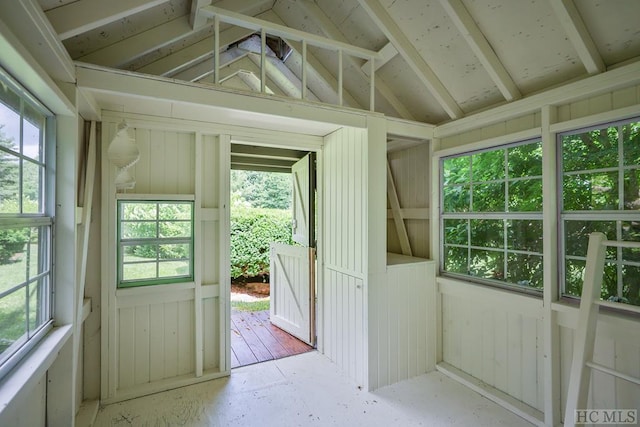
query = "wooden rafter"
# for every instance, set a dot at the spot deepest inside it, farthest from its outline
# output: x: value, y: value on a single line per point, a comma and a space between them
x: 481, y: 47
x: 197, y: 19
x: 396, y: 210
x: 387, y: 53
x: 85, y: 15
x: 314, y: 12
x: 411, y: 55
x: 578, y: 34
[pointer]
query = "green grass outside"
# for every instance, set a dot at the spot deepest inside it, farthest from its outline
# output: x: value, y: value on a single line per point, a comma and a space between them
x: 261, y: 305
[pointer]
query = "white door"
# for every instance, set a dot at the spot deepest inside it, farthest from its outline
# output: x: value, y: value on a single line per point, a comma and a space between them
x: 291, y: 267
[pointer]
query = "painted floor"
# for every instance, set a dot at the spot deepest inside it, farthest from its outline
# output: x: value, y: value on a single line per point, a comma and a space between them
x: 309, y: 390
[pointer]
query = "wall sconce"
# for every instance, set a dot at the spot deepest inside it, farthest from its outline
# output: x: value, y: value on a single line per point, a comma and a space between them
x: 124, y: 153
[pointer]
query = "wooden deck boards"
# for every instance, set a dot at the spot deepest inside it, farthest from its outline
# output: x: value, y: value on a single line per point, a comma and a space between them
x: 254, y: 339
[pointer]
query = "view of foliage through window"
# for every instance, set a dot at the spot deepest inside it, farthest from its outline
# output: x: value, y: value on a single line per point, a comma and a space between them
x: 492, y: 215
x: 24, y: 227
x: 601, y: 192
x: 155, y: 241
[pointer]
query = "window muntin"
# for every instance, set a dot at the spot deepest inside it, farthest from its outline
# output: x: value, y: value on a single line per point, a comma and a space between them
x: 492, y: 215
x: 25, y: 224
x: 600, y: 186
x: 155, y: 242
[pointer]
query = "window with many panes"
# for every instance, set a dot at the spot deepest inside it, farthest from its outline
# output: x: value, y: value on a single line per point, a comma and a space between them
x: 25, y: 223
x: 491, y: 215
x: 600, y: 184
x: 155, y: 242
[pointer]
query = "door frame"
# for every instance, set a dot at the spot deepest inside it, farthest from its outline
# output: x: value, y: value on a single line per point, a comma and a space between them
x: 318, y: 301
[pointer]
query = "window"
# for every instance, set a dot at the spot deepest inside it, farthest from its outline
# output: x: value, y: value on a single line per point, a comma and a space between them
x: 600, y: 182
x: 491, y: 210
x: 155, y: 242
x: 25, y: 223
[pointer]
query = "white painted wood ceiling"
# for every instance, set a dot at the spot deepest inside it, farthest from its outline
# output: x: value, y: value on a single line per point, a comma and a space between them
x: 449, y: 58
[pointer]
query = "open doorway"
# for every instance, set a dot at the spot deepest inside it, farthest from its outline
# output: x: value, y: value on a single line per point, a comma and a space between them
x: 272, y: 241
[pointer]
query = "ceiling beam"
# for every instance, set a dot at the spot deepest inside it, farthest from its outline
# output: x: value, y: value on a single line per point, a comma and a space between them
x: 197, y: 19
x: 481, y: 48
x: 331, y: 30
x: 129, y: 50
x: 411, y: 55
x: 205, y: 68
x: 86, y: 15
x: 387, y: 53
x: 286, y: 32
x: 578, y: 35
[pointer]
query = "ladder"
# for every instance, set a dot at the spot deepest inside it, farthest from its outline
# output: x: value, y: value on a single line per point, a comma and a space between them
x: 584, y: 339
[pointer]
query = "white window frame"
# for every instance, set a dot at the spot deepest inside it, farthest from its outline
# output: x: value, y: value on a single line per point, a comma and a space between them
x: 505, y: 216
x: 43, y: 219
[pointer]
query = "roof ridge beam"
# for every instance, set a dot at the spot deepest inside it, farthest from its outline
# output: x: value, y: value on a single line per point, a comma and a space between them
x: 410, y: 54
x: 331, y: 30
x: 85, y: 15
x: 576, y: 30
x: 481, y: 48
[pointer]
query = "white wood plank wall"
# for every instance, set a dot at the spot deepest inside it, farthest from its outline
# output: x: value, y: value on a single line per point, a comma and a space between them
x: 401, y: 323
x: 169, y: 335
x: 345, y: 246
x: 411, y: 171
x: 498, y: 343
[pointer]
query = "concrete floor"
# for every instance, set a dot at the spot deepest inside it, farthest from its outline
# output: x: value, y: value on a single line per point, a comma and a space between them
x: 309, y: 390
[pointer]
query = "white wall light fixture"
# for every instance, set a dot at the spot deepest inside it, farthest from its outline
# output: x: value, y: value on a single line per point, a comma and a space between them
x: 124, y: 153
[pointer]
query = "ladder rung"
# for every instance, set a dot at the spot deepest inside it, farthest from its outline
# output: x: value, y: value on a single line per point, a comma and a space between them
x: 615, y: 373
x: 621, y: 244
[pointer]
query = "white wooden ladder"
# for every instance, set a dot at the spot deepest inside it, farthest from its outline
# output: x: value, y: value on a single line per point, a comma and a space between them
x: 585, y: 334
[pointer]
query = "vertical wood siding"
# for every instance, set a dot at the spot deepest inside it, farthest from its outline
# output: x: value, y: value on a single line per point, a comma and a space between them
x: 500, y: 345
x: 411, y: 172
x: 345, y: 178
x: 401, y: 323
x: 166, y: 333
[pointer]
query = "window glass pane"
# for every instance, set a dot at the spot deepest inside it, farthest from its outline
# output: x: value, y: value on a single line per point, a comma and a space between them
x: 456, y: 198
x: 138, y: 211
x: 38, y: 304
x: 488, y: 197
x: 138, y: 229
x: 9, y: 119
x: 13, y: 256
x: 577, y: 236
x: 456, y: 260
x: 140, y: 253
x: 9, y: 183
x: 632, y: 189
x: 525, y: 195
x: 32, y: 126
x: 525, y: 235
x: 574, y: 277
x: 34, y: 253
x: 631, y: 284
x: 597, y: 191
x: 456, y: 170
x: 525, y: 160
x: 609, y: 281
x: 488, y: 233
x: 31, y: 187
x: 175, y: 251
x: 455, y: 231
x: 631, y: 138
x: 174, y: 229
x: 631, y: 231
x: 525, y: 270
x: 139, y: 271
x: 594, y: 149
x: 174, y: 268
x: 487, y: 264
x: 13, y: 318
x: 488, y: 166
x: 173, y: 211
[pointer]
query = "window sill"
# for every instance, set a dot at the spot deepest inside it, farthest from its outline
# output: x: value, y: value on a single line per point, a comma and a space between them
x: 34, y: 365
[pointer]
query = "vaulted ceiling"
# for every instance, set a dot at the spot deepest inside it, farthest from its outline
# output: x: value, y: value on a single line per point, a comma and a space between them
x: 438, y: 59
